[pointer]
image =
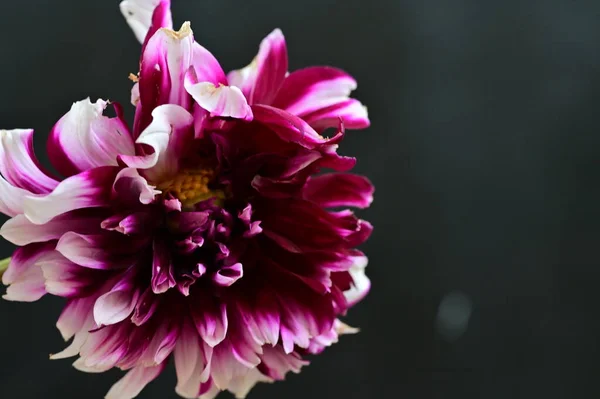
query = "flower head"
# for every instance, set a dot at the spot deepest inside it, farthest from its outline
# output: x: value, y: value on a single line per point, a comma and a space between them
x: 204, y: 233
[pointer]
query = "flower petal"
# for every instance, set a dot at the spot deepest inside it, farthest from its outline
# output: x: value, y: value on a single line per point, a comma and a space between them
x: 90, y: 189
x: 117, y: 304
x: 169, y: 135
x: 142, y: 15
x: 84, y: 139
x: 353, y: 114
x: 97, y: 251
x: 362, y: 284
x: 192, y: 362
x: 19, y: 165
x: 21, y: 231
x: 211, y: 321
x: 11, y: 198
x: 24, y: 274
x: 166, y: 59
x: 227, y: 276
x: 162, y: 269
x: 132, y: 189
x: 260, y: 81
x: 66, y: 279
x: 134, y: 381
x: 337, y: 189
x: 221, y: 101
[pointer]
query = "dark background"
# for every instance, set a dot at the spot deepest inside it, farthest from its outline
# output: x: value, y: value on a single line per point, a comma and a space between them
x: 485, y: 152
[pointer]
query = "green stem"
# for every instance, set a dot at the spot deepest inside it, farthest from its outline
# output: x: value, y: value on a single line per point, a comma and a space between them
x: 4, y: 265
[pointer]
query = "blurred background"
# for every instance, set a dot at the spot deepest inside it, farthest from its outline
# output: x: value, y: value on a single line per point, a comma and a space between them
x: 485, y: 152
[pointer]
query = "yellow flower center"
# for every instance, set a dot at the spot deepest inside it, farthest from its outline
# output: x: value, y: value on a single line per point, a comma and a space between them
x: 191, y: 186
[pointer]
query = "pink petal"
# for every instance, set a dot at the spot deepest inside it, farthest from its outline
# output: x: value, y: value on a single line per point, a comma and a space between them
x: 353, y: 114
x: 21, y: 231
x: 221, y: 101
x: 260, y: 81
x: 74, y: 316
x: 227, y: 276
x: 276, y: 363
x: 337, y: 189
x: 66, y: 279
x: 211, y: 321
x: 19, y: 165
x: 134, y: 381
x: 192, y: 362
x: 117, y: 304
x: 24, y: 274
x: 84, y: 139
x: 90, y: 189
x: 169, y: 137
x: 96, y: 251
x: 141, y: 15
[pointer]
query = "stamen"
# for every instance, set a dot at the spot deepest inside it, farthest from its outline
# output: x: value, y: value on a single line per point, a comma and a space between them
x: 191, y: 186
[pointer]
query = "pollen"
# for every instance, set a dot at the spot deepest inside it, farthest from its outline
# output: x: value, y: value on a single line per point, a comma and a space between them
x: 192, y: 186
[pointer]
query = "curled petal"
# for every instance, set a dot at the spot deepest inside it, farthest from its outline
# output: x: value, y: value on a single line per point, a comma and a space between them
x: 134, y: 381
x: 117, y: 304
x: 260, y: 81
x: 131, y: 188
x: 288, y: 127
x: 90, y: 189
x: 19, y: 165
x: 84, y: 139
x: 142, y: 15
x: 169, y: 138
x: 351, y: 112
x: 222, y: 101
x: 227, y: 276
x: 339, y: 189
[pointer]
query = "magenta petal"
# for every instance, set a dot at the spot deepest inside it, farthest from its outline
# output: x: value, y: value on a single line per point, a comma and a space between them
x: 84, y: 139
x: 96, y: 251
x: 19, y: 165
x: 288, y: 127
x: 211, y: 321
x: 260, y: 81
x: 90, y: 189
x: 162, y: 269
x: 338, y: 189
x: 227, y: 276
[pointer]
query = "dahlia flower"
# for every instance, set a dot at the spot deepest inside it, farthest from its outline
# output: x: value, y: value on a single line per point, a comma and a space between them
x: 206, y: 233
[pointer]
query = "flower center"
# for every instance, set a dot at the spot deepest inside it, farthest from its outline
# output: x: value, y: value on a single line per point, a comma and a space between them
x: 191, y: 186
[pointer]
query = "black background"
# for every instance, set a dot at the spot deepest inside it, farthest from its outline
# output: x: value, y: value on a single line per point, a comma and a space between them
x: 484, y: 148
